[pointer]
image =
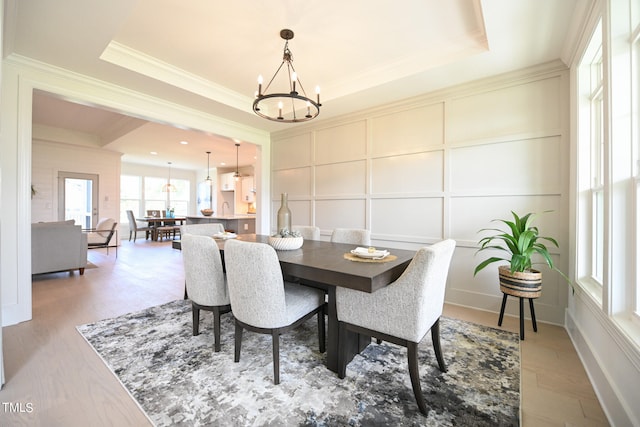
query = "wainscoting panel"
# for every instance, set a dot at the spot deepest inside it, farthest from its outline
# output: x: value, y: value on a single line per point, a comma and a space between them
x: 301, y: 212
x: 529, y: 107
x: 341, y: 179
x: 341, y: 143
x: 470, y: 214
x: 492, y: 168
x: 348, y: 213
x: 408, y: 131
x: 408, y: 174
x: 292, y: 152
x: 410, y: 220
x: 295, y: 182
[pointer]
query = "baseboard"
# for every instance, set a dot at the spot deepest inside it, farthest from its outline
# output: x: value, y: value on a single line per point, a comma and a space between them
x: 605, y: 389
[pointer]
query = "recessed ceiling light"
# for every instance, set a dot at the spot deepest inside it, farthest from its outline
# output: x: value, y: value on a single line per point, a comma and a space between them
x: 222, y: 163
x: 184, y: 142
x: 155, y: 153
x: 236, y: 140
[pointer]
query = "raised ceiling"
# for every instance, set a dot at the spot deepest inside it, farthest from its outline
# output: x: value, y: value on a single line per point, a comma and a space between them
x: 207, y: 55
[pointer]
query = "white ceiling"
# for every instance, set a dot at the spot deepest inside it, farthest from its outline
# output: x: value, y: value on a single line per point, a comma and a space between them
x: 207, y: 54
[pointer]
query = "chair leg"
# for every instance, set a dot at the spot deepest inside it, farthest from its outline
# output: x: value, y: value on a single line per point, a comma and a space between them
x: 321, y: 330
x: 196, y: 319
x: 238, y: 342
x: 275, y: 338
x: 435, y: 337
x: 216, y: 329
x: 412, y: 355
x: 130, y: 233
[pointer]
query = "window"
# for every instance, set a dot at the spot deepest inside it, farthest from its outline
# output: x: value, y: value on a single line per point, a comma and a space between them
x: 635, y: 84
x: 608, y: 164
x: 597, y: 166
x: 180, y: 198
x: 154, y: 198
x: 130, y: 197
x: 143, y: 193
x: 591, y: 170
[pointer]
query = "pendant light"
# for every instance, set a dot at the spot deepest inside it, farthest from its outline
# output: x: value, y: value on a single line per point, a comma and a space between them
x: 208, y: 181
x: 236, y: 175
x: 169, y: 187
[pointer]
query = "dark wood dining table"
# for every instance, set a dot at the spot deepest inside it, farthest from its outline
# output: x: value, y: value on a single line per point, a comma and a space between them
x: 157, y: 221
x: 322, y: 264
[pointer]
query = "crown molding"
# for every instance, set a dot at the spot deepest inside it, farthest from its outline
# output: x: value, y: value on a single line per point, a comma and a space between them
x: 139, y: 62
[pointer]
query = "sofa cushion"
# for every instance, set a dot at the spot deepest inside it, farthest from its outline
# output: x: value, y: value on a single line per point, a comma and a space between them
x: 48, y: 223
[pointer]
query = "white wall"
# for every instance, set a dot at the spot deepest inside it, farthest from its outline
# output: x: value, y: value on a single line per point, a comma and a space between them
x: 441, y: 166
x: 50, y: 158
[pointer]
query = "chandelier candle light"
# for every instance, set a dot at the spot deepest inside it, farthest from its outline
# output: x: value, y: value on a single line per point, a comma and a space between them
x: 291, y: 106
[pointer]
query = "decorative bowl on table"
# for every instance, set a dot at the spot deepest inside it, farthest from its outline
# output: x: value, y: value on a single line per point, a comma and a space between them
x: 207, y: 212
x: 286, y: 241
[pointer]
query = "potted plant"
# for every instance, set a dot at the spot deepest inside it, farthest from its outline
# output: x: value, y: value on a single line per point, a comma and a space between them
x: 518, y: 245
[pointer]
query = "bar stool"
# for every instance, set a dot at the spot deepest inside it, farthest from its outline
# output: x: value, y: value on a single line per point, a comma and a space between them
x: 533, y: 313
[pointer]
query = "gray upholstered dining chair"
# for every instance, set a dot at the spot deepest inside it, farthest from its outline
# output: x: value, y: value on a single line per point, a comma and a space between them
x: 352, y: 236
x: 205, y: 282
x: 308, y: 232
x: 263, y: 302
x: 210, y: 229
x: 402, y: 312
x: 134, y: 228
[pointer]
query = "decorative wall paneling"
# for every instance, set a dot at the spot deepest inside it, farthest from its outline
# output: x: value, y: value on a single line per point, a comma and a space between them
x: 440, y: 166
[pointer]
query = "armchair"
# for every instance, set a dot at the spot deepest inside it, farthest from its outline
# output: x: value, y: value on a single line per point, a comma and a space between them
x: 402, y: 312
x: 100, y: 236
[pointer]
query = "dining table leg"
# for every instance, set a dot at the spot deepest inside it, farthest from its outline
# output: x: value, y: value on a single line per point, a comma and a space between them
x: 355, y: 342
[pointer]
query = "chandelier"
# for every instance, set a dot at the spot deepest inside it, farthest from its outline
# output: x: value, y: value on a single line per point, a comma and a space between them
x: 287, y: 107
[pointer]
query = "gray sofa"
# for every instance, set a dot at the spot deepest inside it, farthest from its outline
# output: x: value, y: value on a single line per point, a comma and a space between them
x: 57, y: 246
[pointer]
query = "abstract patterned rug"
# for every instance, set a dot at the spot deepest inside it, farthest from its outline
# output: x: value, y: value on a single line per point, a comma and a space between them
x: 177, y: 379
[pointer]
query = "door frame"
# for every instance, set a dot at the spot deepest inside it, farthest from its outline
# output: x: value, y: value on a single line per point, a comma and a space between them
x: 62, y: 175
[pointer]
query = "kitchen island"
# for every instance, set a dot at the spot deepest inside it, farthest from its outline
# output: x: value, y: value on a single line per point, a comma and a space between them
x: 240, y: 223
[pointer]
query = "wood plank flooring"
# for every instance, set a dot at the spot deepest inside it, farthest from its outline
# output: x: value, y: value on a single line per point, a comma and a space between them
x: 54, y: 378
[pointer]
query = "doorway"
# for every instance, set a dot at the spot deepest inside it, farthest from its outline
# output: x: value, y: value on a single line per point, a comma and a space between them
x: 78, y: 198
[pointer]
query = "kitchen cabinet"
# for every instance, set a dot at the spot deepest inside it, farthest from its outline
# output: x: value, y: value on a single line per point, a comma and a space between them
x: 227, y: 182
x: 248, y: 190
x: 241, y: 224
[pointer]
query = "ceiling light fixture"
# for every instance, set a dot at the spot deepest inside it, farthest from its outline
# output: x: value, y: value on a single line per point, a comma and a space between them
x: 237, y: 174
x: 208, y: 180
x: 291, y: 106
x: 169, y: 187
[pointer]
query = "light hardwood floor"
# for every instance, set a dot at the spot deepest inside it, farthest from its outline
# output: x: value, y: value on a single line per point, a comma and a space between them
x: 54, y: 378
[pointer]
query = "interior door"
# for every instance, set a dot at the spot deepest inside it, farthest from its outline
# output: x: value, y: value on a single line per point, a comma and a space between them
x: 78, y: 198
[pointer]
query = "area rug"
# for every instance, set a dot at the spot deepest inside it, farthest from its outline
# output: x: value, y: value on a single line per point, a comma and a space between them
x: 177, y: 379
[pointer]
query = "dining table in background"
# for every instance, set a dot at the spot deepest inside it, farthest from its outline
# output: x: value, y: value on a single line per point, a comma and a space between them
x: 158, y: 221
x: 323, y: 265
